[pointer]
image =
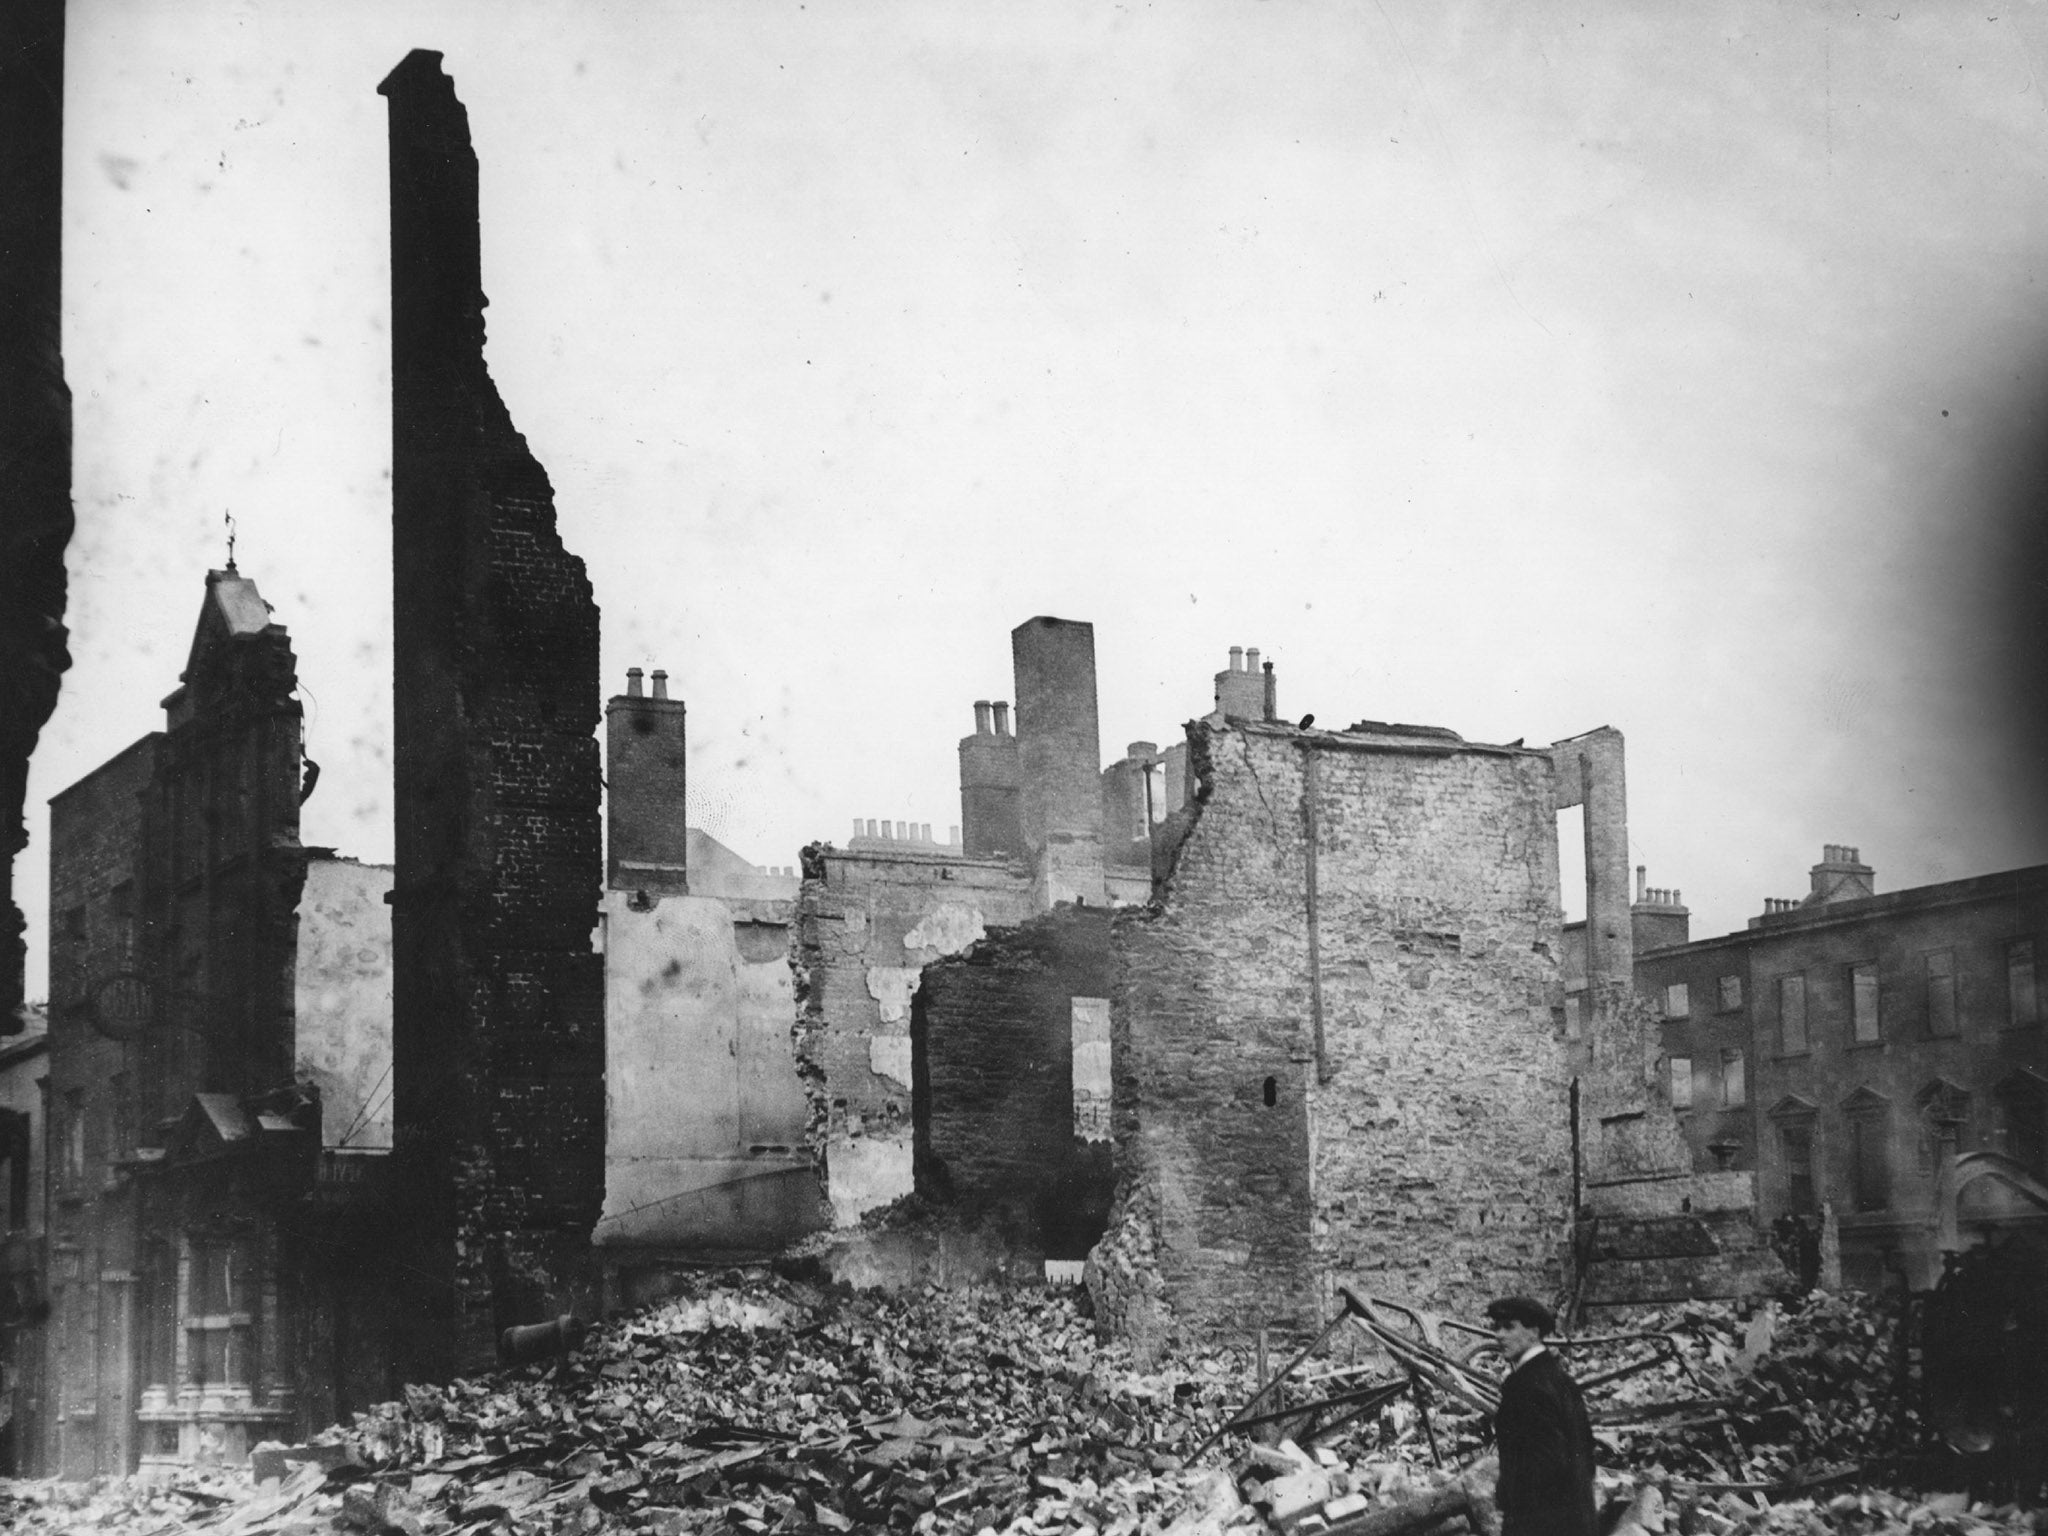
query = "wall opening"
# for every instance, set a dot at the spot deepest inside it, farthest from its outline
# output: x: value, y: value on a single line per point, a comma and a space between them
x: 1272, y: 1092
x: 1571, y: 862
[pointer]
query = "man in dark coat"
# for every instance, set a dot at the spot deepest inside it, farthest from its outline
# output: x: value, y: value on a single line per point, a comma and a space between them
x: 1544, y: 1436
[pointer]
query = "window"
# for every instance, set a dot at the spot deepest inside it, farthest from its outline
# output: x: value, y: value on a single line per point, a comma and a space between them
x: 1088, y: 1025
x: 2022, y: 1001
x: 74, y: 1134
x: 1940, y: 967
x: 15, y: 1148
x: 1681, y: 1082
x: 1734, y: 1086
x: 2021, y: 1132
x: 1792, y: 1015
x: 1730, y: 993
x: 1574, y: 1015
x: 1870, y: 1174
x: 1795, y: 1147
x: 1677, y: 1005
x: 1944, y: 1120
x: 218, y: 1319
x: 1863, y: 1003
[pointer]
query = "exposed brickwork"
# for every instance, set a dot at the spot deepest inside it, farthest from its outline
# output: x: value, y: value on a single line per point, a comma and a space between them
x: 646, y: 774
x: 498, y: 996
x: 1426, y: 1153
x: 35, y: 433
x: 993, y: 1066
x: 866, y: 923
x: 1059, y: 758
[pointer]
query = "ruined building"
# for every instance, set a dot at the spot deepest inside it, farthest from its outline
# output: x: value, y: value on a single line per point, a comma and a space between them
x: 704, y: 1151
x: 874, y: 915
x: 214, y: 1095
x: 35, y: 432
x: 498, y: 1007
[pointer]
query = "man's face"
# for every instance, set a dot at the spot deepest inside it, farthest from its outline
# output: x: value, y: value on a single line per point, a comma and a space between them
x: 1515, y: 1339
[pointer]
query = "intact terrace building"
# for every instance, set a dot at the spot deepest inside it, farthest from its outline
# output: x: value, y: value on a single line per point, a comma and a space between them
x: 1839, y: 1042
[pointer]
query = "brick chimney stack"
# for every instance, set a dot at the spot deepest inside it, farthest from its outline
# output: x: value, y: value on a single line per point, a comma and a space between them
x: 646, y: 740
x: 988, y: 785
x: 1059, y: 753
x: 1244, y: 690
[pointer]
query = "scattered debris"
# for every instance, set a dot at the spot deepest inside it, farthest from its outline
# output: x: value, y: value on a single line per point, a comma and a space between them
x: 754, y: 1404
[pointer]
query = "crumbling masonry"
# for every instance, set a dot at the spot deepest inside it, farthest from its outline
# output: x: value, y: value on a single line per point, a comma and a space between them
x: 498, y: 1002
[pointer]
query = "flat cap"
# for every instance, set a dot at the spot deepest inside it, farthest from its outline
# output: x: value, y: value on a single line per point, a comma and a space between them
x: 1522, y: 1309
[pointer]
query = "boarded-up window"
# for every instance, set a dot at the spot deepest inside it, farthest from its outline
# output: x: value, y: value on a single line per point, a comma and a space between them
x: 219, y: 1312
x: 2023, y: 1003
x: 1734, y: 1080
x: 1574, y: 1015
x: 1863, y: 1003
x: 2022, y: 1111
x: 1731, y: 993
x: 1677, y: 1004
x: 1091, y: 1068
x: 1940, y: 967
x: 1681, y: 1082
x: 1792, y: 1015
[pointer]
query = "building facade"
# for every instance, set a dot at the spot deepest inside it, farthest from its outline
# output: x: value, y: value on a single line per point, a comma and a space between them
x: 1841, y: 1043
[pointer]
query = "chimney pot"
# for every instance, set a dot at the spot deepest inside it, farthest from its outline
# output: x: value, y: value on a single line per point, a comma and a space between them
x: 1002, y: 717
x: 1237, y: 658
x: 926, y: 832
x: 856, y: 826
x: 660, y: 684
x: 1677, y: 897
x: 1142, y: 749
x: 633, y: 676
x: 952, y: 835
x: 1251, y: 658
x: 871, y: 828
x: 981, y: 718
x: 1272, y: 694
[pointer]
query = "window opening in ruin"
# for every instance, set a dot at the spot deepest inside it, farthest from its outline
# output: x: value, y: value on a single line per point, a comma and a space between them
x: 1730, y: 993
x: 1272, y: 1092
x: 1574, y: 1015
x: 1681, y: 1082
x: 1571, y: 862
x: 1792, y: 1015
x: 1795, y: 1146
x: 1088, y: 1028
x: 1863, y: 1002
x: 1940, y: 967
x: 1734, y: 1083
x: 1677, y: 1001
x: 2022, y: 1001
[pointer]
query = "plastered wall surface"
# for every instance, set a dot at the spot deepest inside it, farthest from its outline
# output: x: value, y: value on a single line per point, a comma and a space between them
x: 342, y: 992
x: 704, y: 1108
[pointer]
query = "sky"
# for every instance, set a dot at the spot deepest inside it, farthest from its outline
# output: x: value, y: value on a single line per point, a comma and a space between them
x: 1515, y: 367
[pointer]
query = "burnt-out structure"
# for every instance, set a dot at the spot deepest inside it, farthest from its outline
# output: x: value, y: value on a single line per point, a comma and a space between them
x: 35, y: 432
x: 498, y: 993
x: 705, y: 1114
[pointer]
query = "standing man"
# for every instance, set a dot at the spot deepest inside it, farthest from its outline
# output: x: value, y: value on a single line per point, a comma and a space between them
x: 1545, y: 1438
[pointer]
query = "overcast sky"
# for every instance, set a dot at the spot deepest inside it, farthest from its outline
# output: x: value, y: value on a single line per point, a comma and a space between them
x: 1514, y: 367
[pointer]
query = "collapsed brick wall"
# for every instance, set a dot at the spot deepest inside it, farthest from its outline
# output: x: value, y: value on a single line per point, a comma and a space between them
x: 866, y: 925
x: 993, y: 1045
x: 498, y: 997
x: 1416, y: 1144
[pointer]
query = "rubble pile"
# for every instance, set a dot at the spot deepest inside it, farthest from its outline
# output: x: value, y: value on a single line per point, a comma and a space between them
x: 756, y: 1404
